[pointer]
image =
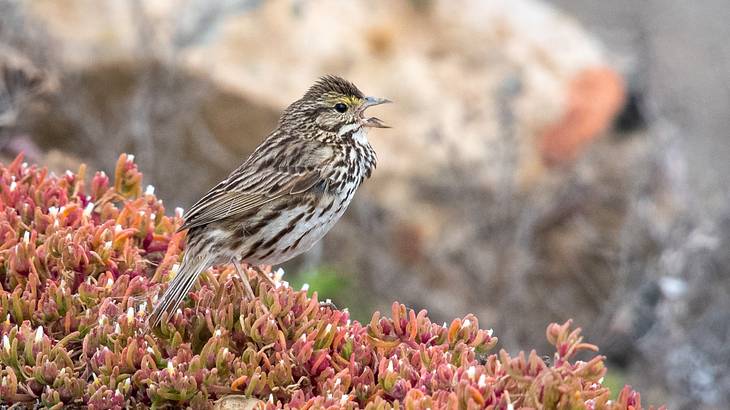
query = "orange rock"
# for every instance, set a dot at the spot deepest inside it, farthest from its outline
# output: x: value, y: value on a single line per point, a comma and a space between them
x: 594, y: 97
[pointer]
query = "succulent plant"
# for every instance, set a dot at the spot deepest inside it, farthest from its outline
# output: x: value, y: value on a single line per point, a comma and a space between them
x: 82, y: 262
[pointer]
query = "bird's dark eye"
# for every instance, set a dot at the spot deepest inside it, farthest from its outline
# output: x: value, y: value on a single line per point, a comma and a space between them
x: 340, y: 107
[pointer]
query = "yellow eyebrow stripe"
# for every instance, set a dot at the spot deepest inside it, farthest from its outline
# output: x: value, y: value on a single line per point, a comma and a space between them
x: 349, y: 100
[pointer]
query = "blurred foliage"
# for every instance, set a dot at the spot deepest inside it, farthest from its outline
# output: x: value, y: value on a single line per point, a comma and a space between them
x: 614, y: 380
x: 325, y: 282
x: 341, y: 288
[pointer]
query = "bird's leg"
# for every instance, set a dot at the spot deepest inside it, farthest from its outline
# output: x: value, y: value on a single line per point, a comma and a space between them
x: 244, y: 278
x: 264, y: 276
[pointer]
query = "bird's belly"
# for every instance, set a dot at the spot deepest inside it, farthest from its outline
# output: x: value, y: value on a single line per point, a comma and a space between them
x: 305, y: 233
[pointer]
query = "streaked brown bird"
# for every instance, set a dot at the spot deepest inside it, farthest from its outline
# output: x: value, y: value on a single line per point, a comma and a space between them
x: 288, y: 193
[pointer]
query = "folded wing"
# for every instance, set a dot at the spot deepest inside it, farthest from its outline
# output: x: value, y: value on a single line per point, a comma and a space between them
x: 248, y: 190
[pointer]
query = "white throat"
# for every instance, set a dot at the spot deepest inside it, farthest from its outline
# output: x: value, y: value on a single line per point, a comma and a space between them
x: 360, y: 135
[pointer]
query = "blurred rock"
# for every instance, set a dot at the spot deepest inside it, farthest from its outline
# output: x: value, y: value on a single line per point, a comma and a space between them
x: 180, y: 126
x: 20, y: 82
x: 594, y: 98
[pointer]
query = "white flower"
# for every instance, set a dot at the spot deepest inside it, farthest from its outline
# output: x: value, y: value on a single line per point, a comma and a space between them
x: 170, y: 368
x: 88, y: 209
x: 179, y: 212
x: 39, y: 334
x: 305, y: 287
x: 150, y: 190
x: 482, y: 381
x: 6, y: 343
x: 471, y: 372
x: 130, y: 158
x: 26, y: 237
x: 130, y: 315
x: 466, y: 323
x: 489, y: 332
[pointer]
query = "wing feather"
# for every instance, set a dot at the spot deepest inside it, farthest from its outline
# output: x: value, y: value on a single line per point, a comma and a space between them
x: 248, y: 190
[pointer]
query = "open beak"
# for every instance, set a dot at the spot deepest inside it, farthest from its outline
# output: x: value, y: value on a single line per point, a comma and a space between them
x: 373, y: 121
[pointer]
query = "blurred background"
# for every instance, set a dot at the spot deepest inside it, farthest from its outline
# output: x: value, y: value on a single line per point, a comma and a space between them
x: 549, y: 159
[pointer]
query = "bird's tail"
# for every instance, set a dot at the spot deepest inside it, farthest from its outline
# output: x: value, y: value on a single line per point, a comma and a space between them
x: 194, y: 263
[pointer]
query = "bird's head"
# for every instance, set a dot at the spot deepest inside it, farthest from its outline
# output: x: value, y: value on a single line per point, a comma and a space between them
x: 333, y: 105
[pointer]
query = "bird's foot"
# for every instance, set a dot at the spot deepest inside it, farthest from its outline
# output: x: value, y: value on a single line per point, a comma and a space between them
x: 264, y: 275
x: 247, y: 291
